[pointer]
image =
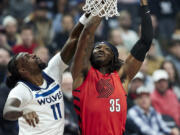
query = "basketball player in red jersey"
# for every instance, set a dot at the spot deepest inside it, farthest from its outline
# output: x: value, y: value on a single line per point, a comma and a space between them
x: 101, y: 79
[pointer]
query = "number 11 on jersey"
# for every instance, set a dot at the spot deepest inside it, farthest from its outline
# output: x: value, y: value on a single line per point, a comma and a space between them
x: 56, y: 110
x: 115, y: 106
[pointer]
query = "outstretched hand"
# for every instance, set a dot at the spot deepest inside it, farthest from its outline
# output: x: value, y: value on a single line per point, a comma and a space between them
x: 31, y: 118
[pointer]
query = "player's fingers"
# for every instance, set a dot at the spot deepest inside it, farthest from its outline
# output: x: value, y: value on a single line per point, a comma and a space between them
x: 32, y: 117
x: 33, y: 123
x: 36, y: 117
x: 28, y: 121
x: 26, y: 117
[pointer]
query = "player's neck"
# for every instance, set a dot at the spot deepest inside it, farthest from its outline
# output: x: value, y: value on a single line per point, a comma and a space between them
x: 104, y: 70
x: 36, y: 79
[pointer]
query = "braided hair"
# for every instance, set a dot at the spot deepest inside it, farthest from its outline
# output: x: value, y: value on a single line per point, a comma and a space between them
x: 12, y: 80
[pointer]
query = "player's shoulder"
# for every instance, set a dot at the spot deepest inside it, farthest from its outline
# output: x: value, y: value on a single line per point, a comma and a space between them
x: 20, y: 90
x: 21, y: 86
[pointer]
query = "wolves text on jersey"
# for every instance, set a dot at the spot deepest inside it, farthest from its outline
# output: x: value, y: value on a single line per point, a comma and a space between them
x: 50, y: 99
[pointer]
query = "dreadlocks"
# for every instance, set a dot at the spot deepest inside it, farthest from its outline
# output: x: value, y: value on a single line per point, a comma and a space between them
x: 15, y: 76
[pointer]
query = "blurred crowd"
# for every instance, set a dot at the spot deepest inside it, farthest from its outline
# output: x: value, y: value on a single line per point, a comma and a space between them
x: 43, y: 26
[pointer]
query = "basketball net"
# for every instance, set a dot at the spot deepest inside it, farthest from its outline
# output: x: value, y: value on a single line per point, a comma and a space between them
x: 102, y: 8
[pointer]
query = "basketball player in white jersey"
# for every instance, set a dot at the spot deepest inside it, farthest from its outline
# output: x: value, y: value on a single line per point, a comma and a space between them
x: 36, y: 99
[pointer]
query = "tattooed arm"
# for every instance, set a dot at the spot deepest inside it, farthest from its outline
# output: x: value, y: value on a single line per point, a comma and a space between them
x: 70, y: 46
x: 81, y: 62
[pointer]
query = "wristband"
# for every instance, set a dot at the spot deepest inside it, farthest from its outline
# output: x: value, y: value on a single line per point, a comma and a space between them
x: 83, y: 19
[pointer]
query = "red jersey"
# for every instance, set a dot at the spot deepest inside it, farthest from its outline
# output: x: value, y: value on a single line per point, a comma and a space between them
x: 100, y: 103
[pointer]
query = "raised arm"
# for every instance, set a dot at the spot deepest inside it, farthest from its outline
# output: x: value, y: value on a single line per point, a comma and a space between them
x: 81, y: 61
x: 70, y: 46
x: 138, y: 52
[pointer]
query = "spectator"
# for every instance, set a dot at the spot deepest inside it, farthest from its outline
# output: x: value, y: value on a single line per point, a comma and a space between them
x: 137, y: 81
x: 131, y: 128
x: 174, y: 54
x: 41, y: 24
x: 6, y: 127
x: 146, y: 118
x: 4, y: 56
x: 3, y: 39
x: 4, y: 59
x: 60, y: 38
x: 71, y: 121
x: 11, y: 26
x: 155, y: 24
x: 173, y: 76
x: 132, y: 7
x: 60, y: 7
x: 76, y: 8
x: 115, y: 37
x: 154, y: 61
x: 20, y: 8
x: 129, y: 36
x: 123, y: 52
x: 165, y: 10
x: 148, y: 81
x: 163, y: 99
x: 3, y: 7
x: 176, y: 34
x: 28, y: 44
x: 43, y: 53
x: 50, y: 5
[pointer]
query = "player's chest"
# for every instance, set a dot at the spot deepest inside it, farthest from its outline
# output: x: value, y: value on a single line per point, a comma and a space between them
x: 51, y: 95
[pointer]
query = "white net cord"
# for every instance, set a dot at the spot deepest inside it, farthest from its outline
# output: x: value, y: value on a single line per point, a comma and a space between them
x: 102, y: 8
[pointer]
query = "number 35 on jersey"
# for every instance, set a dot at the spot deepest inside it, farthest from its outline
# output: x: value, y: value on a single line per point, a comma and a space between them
x: 115, y: 105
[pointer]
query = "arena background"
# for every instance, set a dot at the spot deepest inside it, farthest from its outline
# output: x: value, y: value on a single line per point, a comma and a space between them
x: 51, y: 21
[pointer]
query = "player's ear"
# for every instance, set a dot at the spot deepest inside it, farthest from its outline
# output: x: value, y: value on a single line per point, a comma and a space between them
x: 22, y: 71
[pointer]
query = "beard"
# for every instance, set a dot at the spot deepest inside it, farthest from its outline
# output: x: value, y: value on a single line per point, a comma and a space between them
x: 42, y: 66
x: 97, y: 63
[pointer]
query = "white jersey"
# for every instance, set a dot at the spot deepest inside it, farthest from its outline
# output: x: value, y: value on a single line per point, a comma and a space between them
x: 45, y: 100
